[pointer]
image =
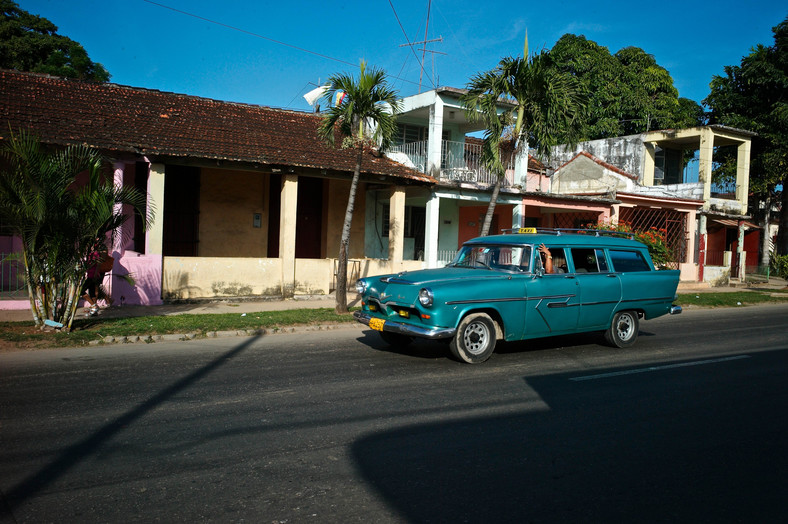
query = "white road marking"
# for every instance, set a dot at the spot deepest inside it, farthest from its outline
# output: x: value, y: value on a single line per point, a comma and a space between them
x: 658, y: 368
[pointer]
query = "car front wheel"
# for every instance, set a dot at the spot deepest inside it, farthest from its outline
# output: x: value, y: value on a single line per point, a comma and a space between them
x: 623, y: 331
x: 475, y: 339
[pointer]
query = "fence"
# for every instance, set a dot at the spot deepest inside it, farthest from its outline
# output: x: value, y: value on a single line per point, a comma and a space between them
x: 673, y: 223
x: 460, y: 161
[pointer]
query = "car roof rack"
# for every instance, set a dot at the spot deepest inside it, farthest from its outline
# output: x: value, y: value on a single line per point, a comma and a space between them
x: 562, y: 231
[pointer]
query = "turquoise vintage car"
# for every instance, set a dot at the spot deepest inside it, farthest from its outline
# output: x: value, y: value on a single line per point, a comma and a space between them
x: 519, y: 286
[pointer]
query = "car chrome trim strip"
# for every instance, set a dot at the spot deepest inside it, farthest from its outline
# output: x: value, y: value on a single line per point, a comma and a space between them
x: 402, y: 328
x: 486, y: 300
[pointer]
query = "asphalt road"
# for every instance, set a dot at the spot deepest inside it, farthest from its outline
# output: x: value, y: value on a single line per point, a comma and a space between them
x: 687, y: 426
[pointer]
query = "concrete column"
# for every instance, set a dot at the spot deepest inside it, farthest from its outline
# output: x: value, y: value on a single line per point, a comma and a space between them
x: 518, y: 215
x: 431, y: 231
x: 740, y: 253
x: 521, y: 167
x: 615, y: 211
x: 649, y: 162
x: 705, y: 164
x: 127, y: 229
x: 743, y: 174
x: 435, y: 138
x: 154, y: 239
x: 287, y: 232
x: 396, y: 226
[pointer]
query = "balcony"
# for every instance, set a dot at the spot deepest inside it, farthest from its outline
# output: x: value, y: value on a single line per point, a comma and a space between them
x: 460, y: 162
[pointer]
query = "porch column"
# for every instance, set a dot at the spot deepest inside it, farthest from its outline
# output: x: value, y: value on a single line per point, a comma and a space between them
x: 521, y: 167
x: 518, y: 214
x: 396, y: 226
x: 741, y: 255
x: 125, y: 230
x: 431, y: 231
x: 705, y: 164
x: 287, y: 232
x: 435, y: 138
x: 743, y: 174
x: 154, y: 239
x: 615, y: 210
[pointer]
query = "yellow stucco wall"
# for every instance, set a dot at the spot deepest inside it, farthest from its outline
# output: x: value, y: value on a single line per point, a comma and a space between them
x: 208, y: 277
x: 228, y: 202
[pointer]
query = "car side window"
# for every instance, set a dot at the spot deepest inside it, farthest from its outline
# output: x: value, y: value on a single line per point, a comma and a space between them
x: 586, y: 260
x: 628, y: 261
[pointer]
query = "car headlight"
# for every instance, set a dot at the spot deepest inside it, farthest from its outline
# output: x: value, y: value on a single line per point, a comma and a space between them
x: 425, y: 297
x: 361, y: 286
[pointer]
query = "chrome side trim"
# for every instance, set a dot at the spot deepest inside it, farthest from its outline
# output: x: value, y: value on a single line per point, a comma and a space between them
x: 410, y: 330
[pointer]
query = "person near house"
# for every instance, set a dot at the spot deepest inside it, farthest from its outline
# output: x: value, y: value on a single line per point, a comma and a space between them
x: 99, y: 263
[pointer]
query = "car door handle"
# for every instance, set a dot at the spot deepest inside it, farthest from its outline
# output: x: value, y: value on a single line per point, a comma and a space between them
x: 611, y: 275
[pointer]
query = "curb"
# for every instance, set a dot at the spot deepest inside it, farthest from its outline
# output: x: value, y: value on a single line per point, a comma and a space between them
x: 180, y: 337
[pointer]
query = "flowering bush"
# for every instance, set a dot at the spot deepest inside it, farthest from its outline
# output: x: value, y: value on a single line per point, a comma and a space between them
x: 655, y: 239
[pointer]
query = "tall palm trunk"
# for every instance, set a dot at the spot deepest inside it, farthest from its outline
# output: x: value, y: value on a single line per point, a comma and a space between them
x: 344, y: 243
x: 491, y: 207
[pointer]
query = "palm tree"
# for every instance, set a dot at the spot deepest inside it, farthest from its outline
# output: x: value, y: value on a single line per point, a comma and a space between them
x: 60, y: 222
x: 365, y: 117
x: 545, y: 108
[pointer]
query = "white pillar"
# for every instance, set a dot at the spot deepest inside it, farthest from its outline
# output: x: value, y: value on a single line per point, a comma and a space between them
x: 435, y: 138
x: 743, y: 174
x: 128, y: 226
x: 431, y: 231
x: 287, y: 232
x: 518, y: 215
x: 396, y: 227
x: 705, y: 164
x: 154, y: 239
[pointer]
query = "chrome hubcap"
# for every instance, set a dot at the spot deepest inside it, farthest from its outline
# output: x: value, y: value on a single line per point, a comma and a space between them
x: 476, y: 338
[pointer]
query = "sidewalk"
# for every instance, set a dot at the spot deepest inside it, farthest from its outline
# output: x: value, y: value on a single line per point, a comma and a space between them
x: 206, y: 307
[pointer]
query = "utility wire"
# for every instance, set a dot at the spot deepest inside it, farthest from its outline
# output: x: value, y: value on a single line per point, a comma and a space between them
x: 261, y: 36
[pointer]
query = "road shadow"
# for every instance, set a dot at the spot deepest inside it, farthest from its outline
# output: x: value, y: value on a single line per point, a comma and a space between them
x: 91, y: 445
x: 677, y: 445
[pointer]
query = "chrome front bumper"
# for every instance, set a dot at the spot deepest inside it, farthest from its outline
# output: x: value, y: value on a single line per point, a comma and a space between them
x: 410, y: 330
x: 675, y: 310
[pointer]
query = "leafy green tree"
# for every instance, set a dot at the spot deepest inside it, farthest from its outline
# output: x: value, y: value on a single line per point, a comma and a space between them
x: 61, y: 223
x: 629, y: 92
x: 542, y: 108
x: 754, y: 96
x: 365, y: 118
x: 31, y: 43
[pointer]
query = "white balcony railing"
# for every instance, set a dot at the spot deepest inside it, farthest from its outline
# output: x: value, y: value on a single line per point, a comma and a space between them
x: 460, y: 161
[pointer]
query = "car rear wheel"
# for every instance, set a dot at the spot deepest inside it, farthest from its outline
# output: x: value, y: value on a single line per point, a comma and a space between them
x: 395, y: 339
x: 623, y: 331
x: 475, y: 339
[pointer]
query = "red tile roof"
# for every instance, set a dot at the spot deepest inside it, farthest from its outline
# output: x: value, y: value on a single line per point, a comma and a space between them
x: 154, y: 123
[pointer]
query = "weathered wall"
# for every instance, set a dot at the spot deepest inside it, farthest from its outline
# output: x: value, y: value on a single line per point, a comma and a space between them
x: 626, y: 153
x: 228, y: 202
x: 583, y: 175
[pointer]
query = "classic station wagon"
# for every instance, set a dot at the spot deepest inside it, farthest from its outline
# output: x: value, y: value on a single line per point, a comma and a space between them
x: 520, y: 286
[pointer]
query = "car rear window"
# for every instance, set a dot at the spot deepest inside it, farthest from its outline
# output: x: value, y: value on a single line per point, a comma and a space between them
x: 628, y: 261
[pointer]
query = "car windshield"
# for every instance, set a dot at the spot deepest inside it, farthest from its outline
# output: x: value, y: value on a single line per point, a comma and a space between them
x: 507, y: 258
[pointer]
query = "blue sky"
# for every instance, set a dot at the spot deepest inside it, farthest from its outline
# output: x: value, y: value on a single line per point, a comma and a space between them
x: 143, y: 44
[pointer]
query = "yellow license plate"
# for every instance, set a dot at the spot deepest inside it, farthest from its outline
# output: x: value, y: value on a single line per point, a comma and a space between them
x: 376, y: 323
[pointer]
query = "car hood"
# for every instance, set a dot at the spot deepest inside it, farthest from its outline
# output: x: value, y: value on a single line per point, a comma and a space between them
x: 426, y: 277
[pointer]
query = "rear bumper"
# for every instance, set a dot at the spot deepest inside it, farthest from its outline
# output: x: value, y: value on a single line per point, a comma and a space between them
x: 675, y: 310
x: 392, y: 326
